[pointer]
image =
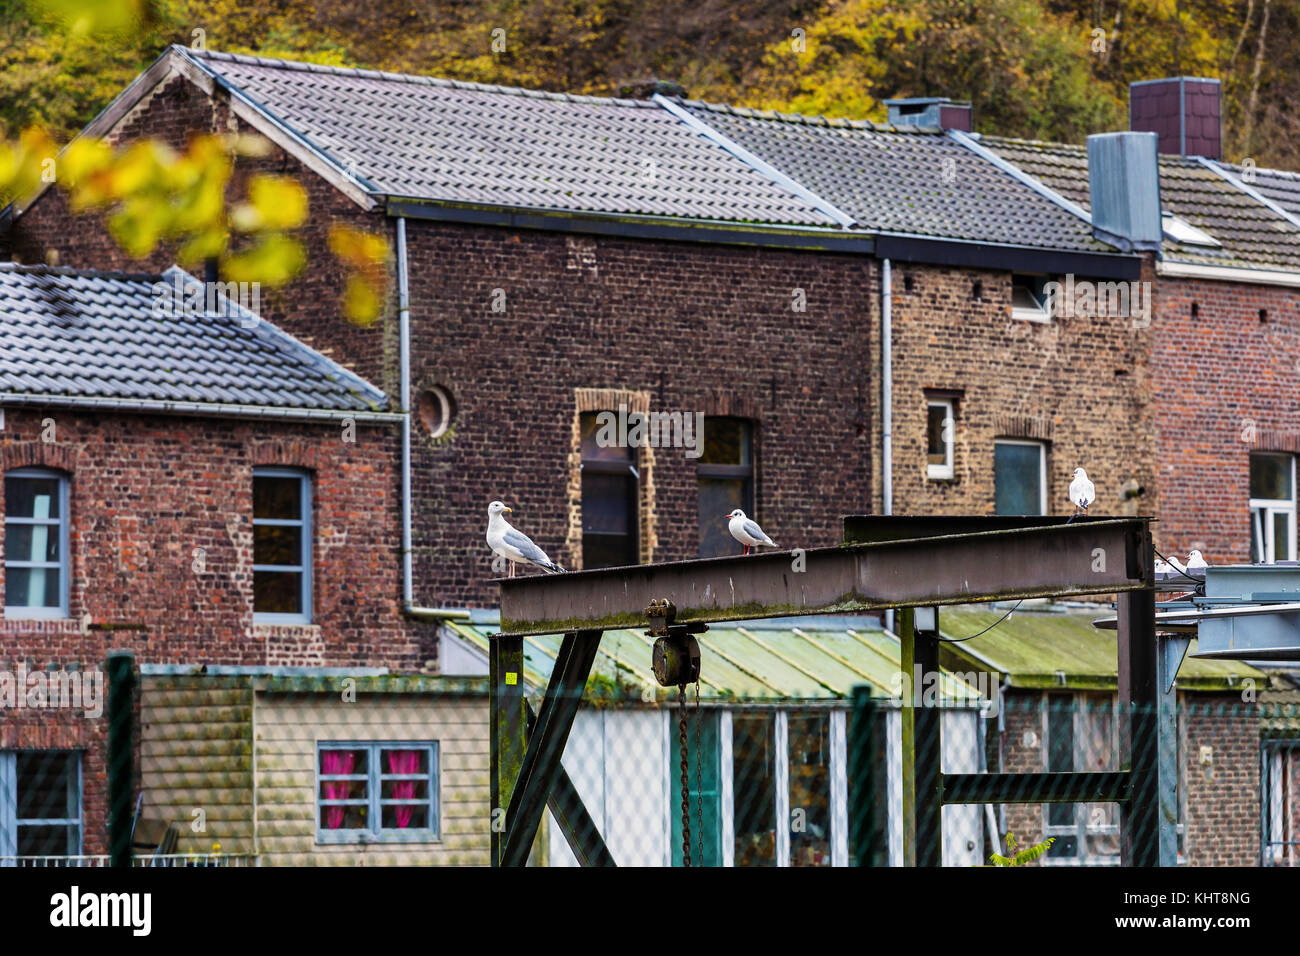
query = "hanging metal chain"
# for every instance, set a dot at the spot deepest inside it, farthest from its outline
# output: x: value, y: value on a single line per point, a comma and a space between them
x: 686, y: 777
x: 699, y: 783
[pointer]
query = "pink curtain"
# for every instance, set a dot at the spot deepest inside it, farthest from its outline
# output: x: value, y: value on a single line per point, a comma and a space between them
x: 340, y: 762
x: 403, y: 761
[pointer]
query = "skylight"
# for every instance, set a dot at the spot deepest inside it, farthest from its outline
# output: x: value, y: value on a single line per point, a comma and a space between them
x: 1185, y: 233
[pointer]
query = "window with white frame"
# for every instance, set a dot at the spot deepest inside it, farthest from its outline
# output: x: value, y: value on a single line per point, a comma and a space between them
x: 282, y: 538
x: 36, y: 543
x: 1029, y: 300
x: 40, y: 803
x: 377, y: 790
x: 1019, y: 477
x: 940, y: 425
x: 1080, y: 735
x: 1272, y: 507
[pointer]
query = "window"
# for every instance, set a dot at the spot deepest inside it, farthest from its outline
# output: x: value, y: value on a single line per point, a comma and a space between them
x: 725, y: 475
x: 40, y: 803
x: 610, y: 500
x: 754, y: 769
x: 939, y: 433
x: 704, y: 792
x: 281, y: 546
x: 377, y: 791
x: 1029, y: 298
x: 1020, y: 477
x: 1184, y: 233
x: 36, y: 543
x: 1080, y: 735
x: 1272, y: 507
x: 810, y: 789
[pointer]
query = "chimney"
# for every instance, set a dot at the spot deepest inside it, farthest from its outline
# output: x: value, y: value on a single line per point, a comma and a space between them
x: 1184, y: 111
x: 935, y: 111
x: 1124, y: 190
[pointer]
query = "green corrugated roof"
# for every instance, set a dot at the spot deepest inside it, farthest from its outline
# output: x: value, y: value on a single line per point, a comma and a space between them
x: 814, y: 658
x: 1033, y: 647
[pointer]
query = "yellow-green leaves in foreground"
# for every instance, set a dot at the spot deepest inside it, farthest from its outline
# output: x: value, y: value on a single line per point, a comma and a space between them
x: 366, y: 255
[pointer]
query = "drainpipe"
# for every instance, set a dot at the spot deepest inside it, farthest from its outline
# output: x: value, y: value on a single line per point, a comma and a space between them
x: 404, y: 361
x: 887, y: 400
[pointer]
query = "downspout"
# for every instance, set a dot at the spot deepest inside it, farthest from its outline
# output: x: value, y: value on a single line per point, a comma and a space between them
x: 887, y: 400
x: 404, y: 361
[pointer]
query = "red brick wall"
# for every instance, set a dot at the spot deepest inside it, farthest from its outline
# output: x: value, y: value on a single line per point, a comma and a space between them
x: 1225, y: 383
x: 145, y: 492
x: 1223, y: 796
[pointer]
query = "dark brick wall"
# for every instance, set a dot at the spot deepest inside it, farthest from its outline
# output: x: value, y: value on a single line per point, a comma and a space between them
x: 1226, y: 383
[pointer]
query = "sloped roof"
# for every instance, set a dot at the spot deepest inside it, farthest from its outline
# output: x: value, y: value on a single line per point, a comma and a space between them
x: 1279, y: 185
x: 777, y: 659
x: 908, y: 180
x: 1252, y: 235
x: 1056, y: 649
x: 428, y: 138
x: 73, y: 334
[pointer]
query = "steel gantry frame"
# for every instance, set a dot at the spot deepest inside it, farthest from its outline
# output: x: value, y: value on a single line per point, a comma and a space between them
x: 885, y: 562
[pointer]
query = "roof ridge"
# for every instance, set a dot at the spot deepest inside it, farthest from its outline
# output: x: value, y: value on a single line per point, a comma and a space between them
x: 72, y: 271
x: 418, y: 79
x: 807, y: 119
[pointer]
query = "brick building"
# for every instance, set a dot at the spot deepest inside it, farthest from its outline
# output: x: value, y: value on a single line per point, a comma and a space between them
x: 197, y: 487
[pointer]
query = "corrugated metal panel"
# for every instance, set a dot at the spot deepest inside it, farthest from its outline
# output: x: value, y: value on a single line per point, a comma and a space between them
x: 1124, y: 186
x: 1033, y: 647
x: 778, y: 659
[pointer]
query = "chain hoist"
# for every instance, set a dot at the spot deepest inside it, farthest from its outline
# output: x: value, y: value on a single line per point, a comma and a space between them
x: 676, y: 663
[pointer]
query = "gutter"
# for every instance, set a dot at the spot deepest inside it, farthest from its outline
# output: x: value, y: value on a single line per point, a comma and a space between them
x: 1191, y: 270
x: 214, y: 409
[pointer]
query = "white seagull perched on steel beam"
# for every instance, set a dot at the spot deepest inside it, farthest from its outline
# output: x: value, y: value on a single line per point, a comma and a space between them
x: 1082, y: 491
x: 515, y: 546
x: 747, y: 532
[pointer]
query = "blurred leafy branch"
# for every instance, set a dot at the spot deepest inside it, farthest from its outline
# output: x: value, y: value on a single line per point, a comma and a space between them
x: 1018, y: 856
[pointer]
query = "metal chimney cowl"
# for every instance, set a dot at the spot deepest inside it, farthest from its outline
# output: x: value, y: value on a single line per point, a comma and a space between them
x: 1124, y: 190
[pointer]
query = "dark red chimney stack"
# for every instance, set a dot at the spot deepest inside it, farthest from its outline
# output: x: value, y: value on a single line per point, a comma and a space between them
x: 1183, y: 111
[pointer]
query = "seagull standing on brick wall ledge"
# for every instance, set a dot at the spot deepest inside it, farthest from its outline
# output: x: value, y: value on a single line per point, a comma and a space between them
x: 747, y: 532
x: 515, y: 546
x: 1082, y: 491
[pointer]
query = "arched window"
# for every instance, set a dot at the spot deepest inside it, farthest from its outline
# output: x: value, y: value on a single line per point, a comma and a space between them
x: 36, y: 543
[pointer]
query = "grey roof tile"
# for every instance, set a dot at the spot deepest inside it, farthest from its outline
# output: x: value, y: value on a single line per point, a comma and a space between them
x: 1252, y: 235
x: 909, y: 180
x: 421, y: 137
x: 69, y: 333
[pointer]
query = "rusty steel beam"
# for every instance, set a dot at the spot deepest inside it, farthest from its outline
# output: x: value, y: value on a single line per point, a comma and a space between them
x: 1048, y: 558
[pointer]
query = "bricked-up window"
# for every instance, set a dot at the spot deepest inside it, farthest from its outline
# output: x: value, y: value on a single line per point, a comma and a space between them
x: 281, y: 546
x: 36, y: 543
x: 939, y: 428
x: 1029, y: 298
x: 1020, y: 477
x: 1080, y: 736
x: 725, y: 478
x: 40, y: 803
x: 1272, y: 507
x: 610, y: 499
x: 385, y: 791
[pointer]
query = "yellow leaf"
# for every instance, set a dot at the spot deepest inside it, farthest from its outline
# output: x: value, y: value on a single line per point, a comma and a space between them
x: 361, y: 300
x: 273, y: 261
x: 357, y: 247
x: 274, y: 202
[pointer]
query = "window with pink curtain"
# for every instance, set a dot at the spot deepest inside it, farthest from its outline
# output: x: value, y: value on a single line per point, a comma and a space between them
x: 336, y: 762
x: 404, y: 762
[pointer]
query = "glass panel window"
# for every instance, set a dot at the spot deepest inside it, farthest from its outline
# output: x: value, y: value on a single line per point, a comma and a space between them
x: 725, y: 481
x: 810, y: 789
x: 1029, y: 298
x: 704, y: 791
x: 40, y: 803
x: 1020, y: 477
x: 753, y: 755
x: 387, y: 791
x: 1272, y: 507
x: 281, y: 546
x: 36, y: 543
x: 610, y: 499
x: 1080, y: 735
x: 939, y: 439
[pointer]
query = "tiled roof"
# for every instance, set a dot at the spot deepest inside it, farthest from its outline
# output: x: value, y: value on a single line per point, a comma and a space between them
x: 106, y: 335
x: 426, y: 138
x: 910, y: 180
x: 1252, y: 235
x: 1278, y: 185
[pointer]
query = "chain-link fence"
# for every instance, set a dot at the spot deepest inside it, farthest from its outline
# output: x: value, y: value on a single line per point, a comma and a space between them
x: 338, y: 768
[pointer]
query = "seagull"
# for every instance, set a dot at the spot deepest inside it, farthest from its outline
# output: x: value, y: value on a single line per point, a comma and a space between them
x: 1196, y: 562
x: 1176, y: 564
x: 514, y: 545
x: 746, y: 532
x: 1082, y: 491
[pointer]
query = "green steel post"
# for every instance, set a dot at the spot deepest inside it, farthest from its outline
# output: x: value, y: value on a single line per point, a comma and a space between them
x: 906, y: 625
x: 868, y: 779
x: 121, y: 699
x: 929, y: 747
x: 508, y: 733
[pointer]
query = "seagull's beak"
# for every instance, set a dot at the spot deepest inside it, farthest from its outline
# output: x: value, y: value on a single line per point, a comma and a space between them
x: 508, y: 509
